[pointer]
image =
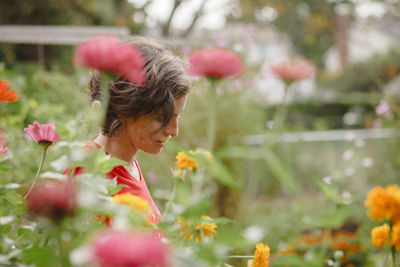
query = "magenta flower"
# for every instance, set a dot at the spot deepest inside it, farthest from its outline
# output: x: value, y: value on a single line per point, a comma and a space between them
x: 106, y: 53
x: 3, y: 149
x: 215, y: 63
x: 53, y: 199
x: 128, y: 249
x: 44, y: 135
x: 293, y: 70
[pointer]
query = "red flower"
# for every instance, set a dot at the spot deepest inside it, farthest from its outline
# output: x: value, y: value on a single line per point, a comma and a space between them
x: 53, y: 199
x: 43, y: 134
x: 293, y: 70
x: 127, y: 249
x: 106, y: 53
x: 215, y: 63
x: 7, y: 95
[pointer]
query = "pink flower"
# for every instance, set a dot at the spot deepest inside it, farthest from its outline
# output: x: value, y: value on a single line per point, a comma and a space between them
x: 3, y: 149
x: 44, y: 135
x: 215, y: 63
x: 293, y: 70
x: 53, y: 199
x: 383, y: 109
x: 106, y: 53
x: 128, y: 249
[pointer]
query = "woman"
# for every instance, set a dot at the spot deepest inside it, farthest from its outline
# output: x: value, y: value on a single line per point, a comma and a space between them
x: 142, y: 117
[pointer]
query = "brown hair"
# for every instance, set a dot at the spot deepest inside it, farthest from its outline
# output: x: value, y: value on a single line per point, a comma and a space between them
x: 165, y: 82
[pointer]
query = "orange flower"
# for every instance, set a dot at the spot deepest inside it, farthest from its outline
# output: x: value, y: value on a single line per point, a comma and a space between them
x: 261, y: 255
x: 384, y: 203
x: 205, y: 228
x: 7, y: 95
x: 183, y: 161
x: 395, y: 237
x: 379, y: 235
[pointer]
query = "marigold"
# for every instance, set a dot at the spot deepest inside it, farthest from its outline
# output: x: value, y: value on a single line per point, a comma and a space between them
x: 134, y: 202
x: 183, y: 161
x: 205, y: 228
x: 395, y: 237
x: 261, y: 255
x: 384, y: 203
x: 379, y: 235
x: 7, y: 95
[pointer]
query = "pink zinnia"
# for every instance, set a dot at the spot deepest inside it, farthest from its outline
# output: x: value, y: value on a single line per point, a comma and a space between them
x: 215, y: 63
x: 3, y: 149
x: 128, y: 249
x: 383, y: 109
x: 53, y: 199
x: 44, y: 135
x: 106, y: 53
x: 293, y: 70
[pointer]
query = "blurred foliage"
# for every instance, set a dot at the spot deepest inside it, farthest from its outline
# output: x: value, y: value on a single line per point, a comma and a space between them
x: 369, y: 75
x: 60, y: 12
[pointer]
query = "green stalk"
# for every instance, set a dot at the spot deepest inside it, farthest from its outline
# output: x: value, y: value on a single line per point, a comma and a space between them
x: 38, y: 172
x: 171, y: 198
x: 241, y: 257
x: 212, y: 116
x: 393, y: 256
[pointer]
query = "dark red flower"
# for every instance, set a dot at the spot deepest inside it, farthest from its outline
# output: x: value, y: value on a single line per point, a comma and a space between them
x: 53, y: 199
x: 215, y: 63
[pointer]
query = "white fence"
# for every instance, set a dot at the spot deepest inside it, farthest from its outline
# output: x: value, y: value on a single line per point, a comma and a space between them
x: 324, y: 136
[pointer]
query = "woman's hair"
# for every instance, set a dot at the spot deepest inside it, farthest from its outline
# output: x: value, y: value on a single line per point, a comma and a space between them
x: 165, y: 82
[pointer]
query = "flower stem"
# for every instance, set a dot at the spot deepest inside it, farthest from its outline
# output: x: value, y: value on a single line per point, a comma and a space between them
x: 241, y: 257
x: 393, y: 256
x: 171, y: 198
x: 212, y: 116
x: 38, y: 172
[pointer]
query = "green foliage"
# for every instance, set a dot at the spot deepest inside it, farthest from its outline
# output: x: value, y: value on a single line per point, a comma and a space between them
x: 367, y: 76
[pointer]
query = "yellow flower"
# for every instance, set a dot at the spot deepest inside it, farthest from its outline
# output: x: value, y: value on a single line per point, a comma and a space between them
x: 134, y: 202
x: 395, y: 237
x: 384, y: 203
x: 183, y: 161
x: 205, y: 229
x: 203, y: 152
x: 200, y: 230
x: 261, y: 255
x: 185, y: 226
x: 379, y: 235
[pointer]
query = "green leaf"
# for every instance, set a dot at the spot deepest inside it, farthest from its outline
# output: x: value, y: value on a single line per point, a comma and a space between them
x: 43, y: 257
x: 195, y: 211
x: 264, y: 153
x: 221, y: 173
x: 14, y: 197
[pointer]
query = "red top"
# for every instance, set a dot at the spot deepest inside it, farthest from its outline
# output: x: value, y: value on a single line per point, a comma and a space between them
x: 135, y: 187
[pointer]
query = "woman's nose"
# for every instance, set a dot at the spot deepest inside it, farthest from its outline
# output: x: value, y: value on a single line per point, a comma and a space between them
x: 172, y: 128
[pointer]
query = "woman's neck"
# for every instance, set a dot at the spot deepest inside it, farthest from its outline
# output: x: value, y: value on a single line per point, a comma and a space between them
x: 117, y: 147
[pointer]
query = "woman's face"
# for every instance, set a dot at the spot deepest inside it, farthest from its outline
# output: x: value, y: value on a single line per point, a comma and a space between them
x: 144, y: 133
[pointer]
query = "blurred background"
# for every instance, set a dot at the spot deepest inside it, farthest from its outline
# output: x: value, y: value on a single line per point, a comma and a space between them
x: 340, y: 137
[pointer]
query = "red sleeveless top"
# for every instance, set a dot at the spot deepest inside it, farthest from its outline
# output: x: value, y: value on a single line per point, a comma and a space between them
x: 135, y: 187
